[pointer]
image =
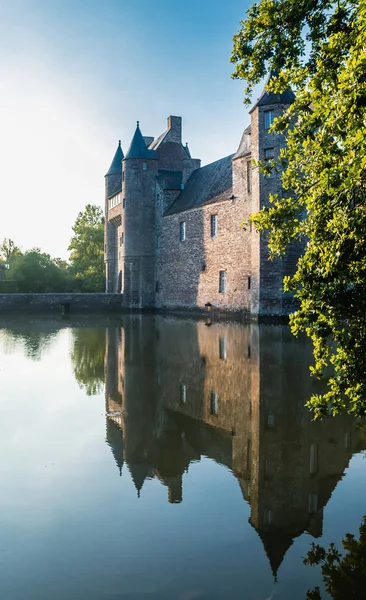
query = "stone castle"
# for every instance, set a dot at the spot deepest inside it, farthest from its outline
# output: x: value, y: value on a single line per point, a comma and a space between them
x: 174, y: 234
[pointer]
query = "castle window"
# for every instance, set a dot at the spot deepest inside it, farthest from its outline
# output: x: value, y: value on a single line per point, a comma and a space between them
x: 158, y: 241
x: 268, y: 153
x: 267, y: 516
x: 144, y: 166
x: 123, y: 175
x: 313, y: 459
x: 183, y: 393
x: 249, y: 283
x: 120, y: 281
x: 214, y: 403
x: 270, y: 421
x: 182, y: 231
x: 121, y: 240
x: 124, y: 202
x: 157, y: 287
x: 268, y: 118
x: 213, y: 226
x: 313, y: 502
x: 222, y: 282
x: 249, y: 176
x: 222, y: 348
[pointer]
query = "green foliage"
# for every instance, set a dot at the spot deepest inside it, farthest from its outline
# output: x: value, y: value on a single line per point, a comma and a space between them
x: 86, y: 247
x: 35, y: 271
x: 87, y: 356
x: 8, y: 287
x: 317, y: 48
x: 9, y: 251
x: 344, y: 576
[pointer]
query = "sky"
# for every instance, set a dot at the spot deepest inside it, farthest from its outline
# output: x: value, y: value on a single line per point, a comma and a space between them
x: 76, y: 75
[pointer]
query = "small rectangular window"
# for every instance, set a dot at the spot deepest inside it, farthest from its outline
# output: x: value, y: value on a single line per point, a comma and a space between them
x: 267, y: 516
x: 313, y: 502
x: 144, y: 166
x: 271, y: 421
x: 124, y: 202
x: 222, y: 282
x: 214, y: 403
x: 182, y: 231
x: 268, y: 153
x: 268, y: 118
x: 158, y: 241
x: 123, y: 175
x: 249, y: 282
x: 249, y: 176
x: 183, y: 393
x: 313, y: 459
x: 157, y: 287
x: 222, y: 348
x: 213, y: 226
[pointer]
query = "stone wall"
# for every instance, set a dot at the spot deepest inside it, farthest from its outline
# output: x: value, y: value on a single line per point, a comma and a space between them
x: 188, y: 271
x: 30, y: 303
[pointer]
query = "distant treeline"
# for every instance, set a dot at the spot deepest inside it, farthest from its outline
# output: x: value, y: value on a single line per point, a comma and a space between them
x: 36, y: 271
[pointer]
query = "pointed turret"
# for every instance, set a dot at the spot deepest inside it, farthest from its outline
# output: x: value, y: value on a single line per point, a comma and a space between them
x: 139, y: 473
x: 275, y: 545
x: 116, y: 166
x: 114, y: 440
x: 287, y: 97
x: 138, y: 148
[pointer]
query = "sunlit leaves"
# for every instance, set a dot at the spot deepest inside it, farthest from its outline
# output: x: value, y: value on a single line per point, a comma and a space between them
x: 318, y: 47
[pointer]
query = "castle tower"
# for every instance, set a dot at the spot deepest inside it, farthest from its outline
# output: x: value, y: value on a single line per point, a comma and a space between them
x: 266, y: 281
x: 138, y: 237
x: 113, y: 185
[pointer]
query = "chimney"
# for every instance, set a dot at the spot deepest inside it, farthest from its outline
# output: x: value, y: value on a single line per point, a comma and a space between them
x: 175, y: 129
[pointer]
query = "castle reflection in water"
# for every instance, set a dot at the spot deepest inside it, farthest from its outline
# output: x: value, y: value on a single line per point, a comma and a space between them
x: 177, y: 390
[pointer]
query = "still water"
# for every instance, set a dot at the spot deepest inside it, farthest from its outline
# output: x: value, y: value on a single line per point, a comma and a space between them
x: 161, y: 458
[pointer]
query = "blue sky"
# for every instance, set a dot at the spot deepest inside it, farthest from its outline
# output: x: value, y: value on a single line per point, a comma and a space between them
x: 74, y: 78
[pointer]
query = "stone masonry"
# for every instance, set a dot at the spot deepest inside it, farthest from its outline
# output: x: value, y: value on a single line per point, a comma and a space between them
x: 177, y: 235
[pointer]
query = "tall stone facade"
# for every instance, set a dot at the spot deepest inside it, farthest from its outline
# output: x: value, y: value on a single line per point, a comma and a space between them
x: 178, y: 234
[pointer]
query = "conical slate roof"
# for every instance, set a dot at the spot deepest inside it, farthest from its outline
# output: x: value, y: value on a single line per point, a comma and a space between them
x: 275, y: 545
x: 139, y: 473
x: 287, y: 97
x: 138, y: 148
x: 116, y: 166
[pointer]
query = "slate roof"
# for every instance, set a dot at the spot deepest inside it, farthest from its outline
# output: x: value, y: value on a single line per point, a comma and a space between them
x: 157, y: 141
x: 116, y: 166
x: 287, y: 97
x: 206, y: 185
x: 187, y: 150
x: 170, y: 180
x: 245, y: 144
x: 138, y: 147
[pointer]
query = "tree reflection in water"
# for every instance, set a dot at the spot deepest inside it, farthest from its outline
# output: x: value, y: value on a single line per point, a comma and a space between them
x: 344, y: 574
x: 33, y: 341
x: 87, y: 355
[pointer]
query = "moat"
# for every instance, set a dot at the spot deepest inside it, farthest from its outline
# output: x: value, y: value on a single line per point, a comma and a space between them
x: 168, y: 459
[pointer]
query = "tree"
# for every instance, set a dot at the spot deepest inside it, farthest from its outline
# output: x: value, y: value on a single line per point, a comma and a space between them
x: 87, y: 356
x: 344, y: 576
x: 317, y: 47
x: 8, y: 251
x: 35, y: 271
x: 86, y: 247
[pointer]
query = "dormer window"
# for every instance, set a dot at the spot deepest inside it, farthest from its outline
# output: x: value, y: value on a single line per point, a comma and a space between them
x: 268, y: 118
